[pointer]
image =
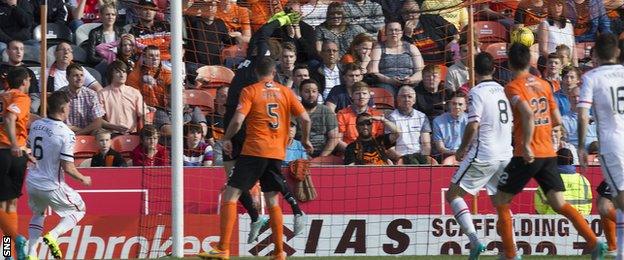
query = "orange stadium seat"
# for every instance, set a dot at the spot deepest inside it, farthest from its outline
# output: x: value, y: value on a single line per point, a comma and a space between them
x: 124, y: 144
x: 489, y: 31
x: 201, y: 98
x: 213, y: 76
x: 383, y: 98
x: 497, y: 50
x: 86, y: 146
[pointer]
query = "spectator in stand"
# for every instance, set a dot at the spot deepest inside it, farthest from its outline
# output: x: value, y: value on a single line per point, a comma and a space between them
x: 395, y: 62
x: 337, y: 29
x: 126, y: 49
x: 324, y: 134
x: 340, y: 96
x: 457, y: 74
x: 295, y: 150
x: 262, y: 11
x: 501, y: 11
x: 566, y: 55
x: 555, y: 30
x: 552, y: 71
x: 123, y: 105
x: 452, y: 11
x: 85, y: 109
x: 327, y: 74
x: 196, y: 151
x: 449, y: 127
x: 570, y: 121
x: 148, y: 31
x: 391, y: 7
x: 84, y: 11
x: 149, y: 152
x: 369, y: 148
x: 365, y: 13
x: 314, y: 12
x: 347, y: 117
x: 215, y: 127
x: 56, y: 12
x: 430, y: 33
x: 570, y: 78
x: 301, y: 73
x: 207, y: 36
x: 414, y: 138
x: 286, y: 66
x: 236, y: 19
x: 302, y: 35
x: 57, y: 77
x: 16, y: 21
x: 107, y: 157
x: 15, y: 51
x: 431, y: 96
x: 589, y: 18
x: 530, y: 13
x: 108, y: 32
x: 153, y: 80
x: 359, y: 52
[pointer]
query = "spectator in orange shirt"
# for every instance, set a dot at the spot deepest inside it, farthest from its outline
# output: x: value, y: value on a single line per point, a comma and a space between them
x: 236, y: 19
x: 347, y: 116
x: 368, y: 149
x: 151, y: 32
x: 262, y: 10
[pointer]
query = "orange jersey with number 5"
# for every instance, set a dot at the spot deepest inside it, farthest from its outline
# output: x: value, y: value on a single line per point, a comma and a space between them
x: 16, y: 102
x: 268, y: 106
x: 538, y: 94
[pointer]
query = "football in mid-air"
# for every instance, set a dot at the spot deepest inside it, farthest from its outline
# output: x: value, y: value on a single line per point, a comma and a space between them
x: 523, y: 36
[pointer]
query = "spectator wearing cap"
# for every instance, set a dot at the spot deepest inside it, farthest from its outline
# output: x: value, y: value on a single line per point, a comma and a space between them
x: 449, y: 127
x: 369, y: 148
x: 589, y: 18
x: 337, y: 29
x: 16, y: 19
x: 366, y: 14
x: 295, y: 150
x: 302, y: 35
x: 236, y: 19
x: 85, y: 109
x: 324, y: 133
x: 108, y: 32
x: 123, y: 105
x: 15, y: 51
x: 347, y: 117
x: 149, y: 31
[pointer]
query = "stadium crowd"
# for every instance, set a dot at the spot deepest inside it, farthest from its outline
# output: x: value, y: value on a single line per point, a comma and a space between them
x: 404, y: 62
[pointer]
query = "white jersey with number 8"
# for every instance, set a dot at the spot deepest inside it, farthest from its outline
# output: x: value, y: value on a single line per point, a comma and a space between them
x: 50, y: 141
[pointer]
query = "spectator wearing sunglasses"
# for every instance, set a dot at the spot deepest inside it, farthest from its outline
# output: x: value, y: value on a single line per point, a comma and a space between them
x: 368, y: 149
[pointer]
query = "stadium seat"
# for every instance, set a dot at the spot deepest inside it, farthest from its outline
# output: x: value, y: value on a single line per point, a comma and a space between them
x: 80, y: 55
x: 327, y: 160
x: 201, y: 98
x: 383, y: 98
x: 55, y: 33
x: 84, y: 163
x: 82, y: 33
x: 490, y: 31
x: 497, y: 50
x: 86, y: 146
x: 213, y: 76
x: 124, y: 144
x: 450, y: 161
x: 96, y: 74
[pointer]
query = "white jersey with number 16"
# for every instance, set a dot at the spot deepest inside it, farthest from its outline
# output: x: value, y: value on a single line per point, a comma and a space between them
x: 50, y: 141
x: 603, y: 87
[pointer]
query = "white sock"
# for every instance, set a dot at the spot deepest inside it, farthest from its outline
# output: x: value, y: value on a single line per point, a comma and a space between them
x: 67, y: 223
x: 462, y: 215
x: 619, y: 230
x: 34, y: 233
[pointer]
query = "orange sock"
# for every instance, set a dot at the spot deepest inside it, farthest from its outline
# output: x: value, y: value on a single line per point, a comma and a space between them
x: 579, y: 223
x: 8, y: 223
x: 608, y: 225
x: 505, y: 230
x: 276, y: 222
x: 228, y: 219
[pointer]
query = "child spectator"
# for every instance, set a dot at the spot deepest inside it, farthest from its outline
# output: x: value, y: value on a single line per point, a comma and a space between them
x: 107, y: 157
x: 196, y: 151
x: 149, y: 152
x: 295, y: 149
x: 566, y: 53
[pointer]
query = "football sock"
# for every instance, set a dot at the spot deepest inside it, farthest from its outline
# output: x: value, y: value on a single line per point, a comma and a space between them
x: 608, y: 225
x: 8, y: 223
x: 462, y: 215
x: 247, y: 201
x: 34, y: 233
x: 505, y: 230
x: 277, y: 227
x: 228, y: 219
x: 67, y: 223
x: 288, y: 196
x: 619, y: 227
x: 580, y: 224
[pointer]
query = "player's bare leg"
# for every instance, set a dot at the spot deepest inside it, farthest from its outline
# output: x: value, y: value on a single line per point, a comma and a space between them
x: 504, y: 225
x: 277, y: 224
x: 561, y: 206
x: 455, y: 198
x: 608, y: 219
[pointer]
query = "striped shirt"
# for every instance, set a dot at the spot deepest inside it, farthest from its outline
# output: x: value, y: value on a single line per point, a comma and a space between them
x: 84, y: 107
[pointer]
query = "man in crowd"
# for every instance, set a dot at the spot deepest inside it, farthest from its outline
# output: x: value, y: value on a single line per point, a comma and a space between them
x: 368, y: 149
x: 414, y: 138
x: 327, y: 74
x: 324, y: 133
x: 85, y: 109
x: 15, y: 51
x: 148, y: 31
x: 347, y: 116
x: 123, y: 105
x: 340, y: 96
x: 449, y: 127
x: 431, y: 97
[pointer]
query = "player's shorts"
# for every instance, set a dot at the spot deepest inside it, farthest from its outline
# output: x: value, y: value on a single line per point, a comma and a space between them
x: 604, y: 190
x: 518, y: 173
x: 249, y: 169
x: 613, y: 171
x: 64, y: 200
x: 12, y: 173
x: 474, y: 175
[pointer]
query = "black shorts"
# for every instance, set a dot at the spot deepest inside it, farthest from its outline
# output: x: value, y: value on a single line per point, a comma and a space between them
x: 237, y: 145
x: 518, y: 173
x: 604, y: 190
x: 12, y: 173
x: 249, y: 169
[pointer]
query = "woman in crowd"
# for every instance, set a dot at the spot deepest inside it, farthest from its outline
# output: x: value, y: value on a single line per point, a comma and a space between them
x: 359, y: 51
x: 105, y: 33
x: 337, y: 29
x: 555, y: 30
x: 128, y: 50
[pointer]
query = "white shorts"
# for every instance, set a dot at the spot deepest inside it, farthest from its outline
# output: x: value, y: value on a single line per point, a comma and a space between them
x: 473, y: 175
x: 64, y: 200
x: 612, y: 165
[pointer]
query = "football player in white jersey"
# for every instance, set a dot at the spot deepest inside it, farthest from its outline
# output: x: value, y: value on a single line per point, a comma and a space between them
x: 603, y: 90
x: 52, y: 144
x: 485, y: 149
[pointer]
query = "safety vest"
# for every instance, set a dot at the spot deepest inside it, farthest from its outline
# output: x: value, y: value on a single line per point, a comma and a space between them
x: 578, y: 193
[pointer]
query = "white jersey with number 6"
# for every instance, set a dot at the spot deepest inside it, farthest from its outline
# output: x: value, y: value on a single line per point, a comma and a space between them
x: 488, y: 105
x: 50, y: 141
x: 603, y: 87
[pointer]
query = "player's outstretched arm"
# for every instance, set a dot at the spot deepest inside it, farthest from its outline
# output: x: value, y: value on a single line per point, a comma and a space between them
x: 71, y: 169
x: 306, y: 123
x: 528, y: 125
x: 469, y: 135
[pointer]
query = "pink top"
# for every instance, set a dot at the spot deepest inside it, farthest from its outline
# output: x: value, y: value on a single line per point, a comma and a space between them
x: 123, y: 106
x: 108, y: 50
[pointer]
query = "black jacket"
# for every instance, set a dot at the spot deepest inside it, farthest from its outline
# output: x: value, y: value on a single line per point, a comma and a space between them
x: 57, y: 12
x: 96, y: 36
x: 205, y: 41
x: 15, y: 21
x: 306, y: 45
